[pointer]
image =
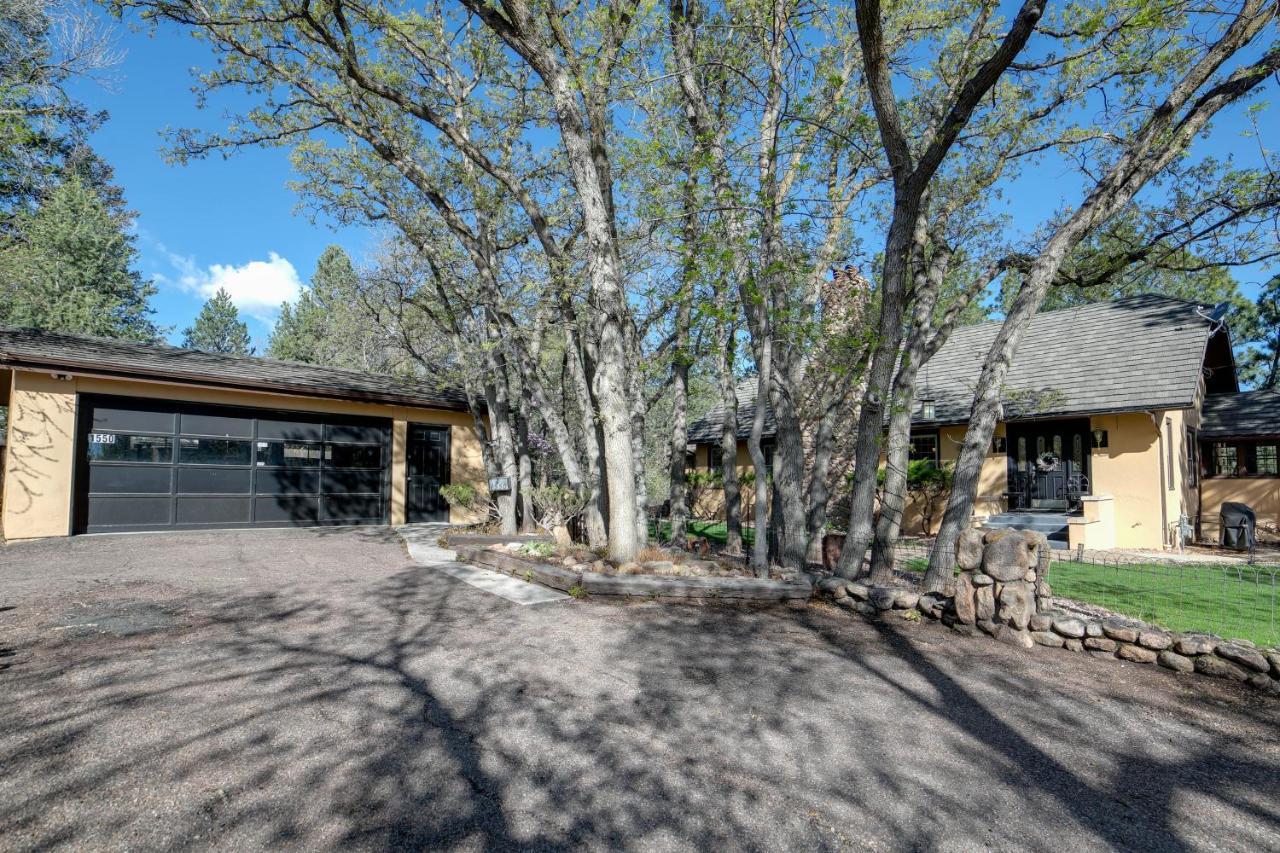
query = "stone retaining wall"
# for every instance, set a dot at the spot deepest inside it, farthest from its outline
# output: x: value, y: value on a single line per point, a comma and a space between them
x: 1000, y: 592
x: 574, y: 579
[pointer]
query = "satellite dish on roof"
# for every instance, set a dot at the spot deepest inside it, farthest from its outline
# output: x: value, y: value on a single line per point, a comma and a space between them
x: 1219, y: 311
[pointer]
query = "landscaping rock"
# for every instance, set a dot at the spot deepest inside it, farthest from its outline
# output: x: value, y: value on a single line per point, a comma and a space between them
x: 1178, y: 663
x: 1195, y: 644
x: 1248, y: 657
x: 1219, y: 668
x: 1137, y: 654
x: 1120, y: 631
x: 1236, y: 641
x: 629, y: 569
x: 1017, y: 603
x: 969, y: 550
x: 1043, y: 590
x: 906, y: 599
x: 1273, y: 656
x: 964, y: 603
x: 1014, y: 636
x: 865, y: 608
x: 930, y: 604
x: 1041, y: 622
x: 859, y: 591
x: 1073, y: 645
x: 987, y: 627
x: 980, y: 580
x: 997, y: 534
x: 1093, y: 629
x: 1030, y: 576
x: 658, y: 566
x: 834, y: 587
x: 984, y: 599
x: 882, y: 597
x: 1047, y: 638
x: 1100, y: 644
x: 965, y: 629
x: 1262, y: 681
x: 1008, y: 558
x: 1154, y: 640
x: 1069, y: 626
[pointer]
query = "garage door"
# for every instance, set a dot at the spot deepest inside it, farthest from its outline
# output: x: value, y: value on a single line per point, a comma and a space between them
x: 148, y: 465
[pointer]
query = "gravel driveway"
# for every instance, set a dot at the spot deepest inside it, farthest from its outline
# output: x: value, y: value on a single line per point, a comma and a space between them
x: 315, y: 690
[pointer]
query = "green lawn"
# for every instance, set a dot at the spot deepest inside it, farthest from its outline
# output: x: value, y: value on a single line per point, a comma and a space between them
x: 712, y: 530
x: 1233, y: 601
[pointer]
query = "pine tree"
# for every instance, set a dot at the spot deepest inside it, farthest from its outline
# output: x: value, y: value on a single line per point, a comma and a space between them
x: 218, y: 328
x: 328, y: 325
x: 67, y: 267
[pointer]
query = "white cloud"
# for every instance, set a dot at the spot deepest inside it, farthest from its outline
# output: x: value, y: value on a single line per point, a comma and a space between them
x: 257, y: 288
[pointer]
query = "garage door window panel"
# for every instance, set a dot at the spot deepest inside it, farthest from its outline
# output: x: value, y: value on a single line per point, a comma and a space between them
x: 217, y: 426
x: 289, y: 454
x: 367, y: 481
x: 288, y: 481
x: 290, y: 430
x: 123, y: 447
x: 215, y: 481
x: 214, y: 451
x: 131, y: 479
x: 353, y: 456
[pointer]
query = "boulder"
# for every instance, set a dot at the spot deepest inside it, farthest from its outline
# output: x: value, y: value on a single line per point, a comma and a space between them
x: 1243, y: 655
x: 1043, y: 590
x: 882, y: 597
x: 1195, y: 644
x: 987, y: 627
x: 1176, y: 662
x: 1009, y: 557
x: 658, y: 567
x: 1073, y: 645
x: 995, y: 535
x: 1017, y: 603
x: 1137, y: 654
x: 1041, y: 622
x: 1264, y: 682
x: 906, y: 599
x: 984, y: 599
x: 1099, y: 644
x: 1154, y: 640
x: 1093, y: 629
x: 1019, y: 637
x: 1273, y: 656
x: 859, y: 591
x: 1069, y: 626
x: 1236, y: 641
x: 979, y: 579
x: 1219, y: 668
x: 1120, y: 631
x: 969, y: 550
x: 834, y: 587
x: 1047, y: 638
x: 966, y: 613
x: 1030, y: 576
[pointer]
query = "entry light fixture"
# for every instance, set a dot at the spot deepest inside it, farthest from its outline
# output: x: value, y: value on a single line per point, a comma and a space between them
x: 928, y: 409
x: 1099, y: 438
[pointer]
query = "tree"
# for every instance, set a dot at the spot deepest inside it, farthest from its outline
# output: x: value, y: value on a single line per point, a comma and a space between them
x: 67, y: 267
x: 1262, y: 362
x: 218, y: 328
x: 1200, y: 82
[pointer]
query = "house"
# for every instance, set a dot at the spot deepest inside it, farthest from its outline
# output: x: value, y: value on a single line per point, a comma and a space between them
x: 107, y: 435
x: 1124, y: 426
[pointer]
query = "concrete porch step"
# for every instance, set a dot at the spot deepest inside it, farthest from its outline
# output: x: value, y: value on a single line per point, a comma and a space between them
x: 1052, y: 524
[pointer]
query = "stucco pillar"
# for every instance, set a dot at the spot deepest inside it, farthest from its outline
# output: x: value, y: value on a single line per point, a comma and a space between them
x: 40, y: 460
x: 399, y: 466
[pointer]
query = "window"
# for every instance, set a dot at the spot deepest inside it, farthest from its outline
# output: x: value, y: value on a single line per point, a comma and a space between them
x: 119, y: 447
x: 1224, y: 460
x: 924, y: 446
x: 767, y: 450
x: 1265, y: 456
x: 690, y: 460
x: 288, y: 454
x: 353, y: 456
x: 214, y: 451
x: 1193, y: 457
x: 1256, y: 458
x: 715, y: 457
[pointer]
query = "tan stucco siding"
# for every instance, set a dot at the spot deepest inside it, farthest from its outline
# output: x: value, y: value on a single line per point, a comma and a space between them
x: 40, y: 456
x: 1128, y: 469
x: 42, y: 441
x: 1260, y: 493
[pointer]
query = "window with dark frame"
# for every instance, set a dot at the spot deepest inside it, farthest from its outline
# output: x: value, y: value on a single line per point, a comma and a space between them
x: 1243, y: 458
x: 924, y: 447
x: 767, y: 450
x: 1265, y: 459
x: 715, y: 457
x: 1193, y: 458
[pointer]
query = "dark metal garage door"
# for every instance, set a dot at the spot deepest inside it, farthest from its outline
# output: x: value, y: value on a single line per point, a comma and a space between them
x: 148, y: 465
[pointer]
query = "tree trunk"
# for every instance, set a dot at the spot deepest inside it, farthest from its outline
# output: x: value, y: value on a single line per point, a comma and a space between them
x: 500, y: 419
x: 729, y: 441
x: 525, y: 463
x: 760, y: 547
x: 679, y: 446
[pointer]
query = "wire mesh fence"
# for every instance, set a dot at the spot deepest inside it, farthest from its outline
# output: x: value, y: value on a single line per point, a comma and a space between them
x: 1231, y: 599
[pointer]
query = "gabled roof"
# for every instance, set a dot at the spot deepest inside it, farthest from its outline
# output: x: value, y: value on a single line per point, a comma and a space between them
x: 1133, y: 354
x: 38, y: 350
x: 706, y: 430
x: 1250, y: 413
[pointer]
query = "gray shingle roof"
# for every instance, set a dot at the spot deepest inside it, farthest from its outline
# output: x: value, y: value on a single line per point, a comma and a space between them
x: 706, y: 430
x: 1133, y: 354
x: 1249, y: 413
x: 103, y: 356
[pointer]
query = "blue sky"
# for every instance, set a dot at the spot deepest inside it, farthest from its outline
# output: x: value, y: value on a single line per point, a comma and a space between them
x: 217, y: 222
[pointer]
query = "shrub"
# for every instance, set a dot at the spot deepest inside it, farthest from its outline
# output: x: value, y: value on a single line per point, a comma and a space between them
x: 467, y: 497
x: 555, y: 506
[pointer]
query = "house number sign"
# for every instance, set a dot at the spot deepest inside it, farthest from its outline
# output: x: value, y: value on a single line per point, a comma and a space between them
x: 101, y: 438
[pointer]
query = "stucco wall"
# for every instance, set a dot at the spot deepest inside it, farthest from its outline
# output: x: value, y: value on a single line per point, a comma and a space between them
x: 38, y: 481
x: 1261, y: 493
x: 1128, y: 469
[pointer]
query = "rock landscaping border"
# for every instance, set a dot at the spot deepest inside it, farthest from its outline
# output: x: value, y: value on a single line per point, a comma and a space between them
x: 663, y: 588
x: 1000, y: 592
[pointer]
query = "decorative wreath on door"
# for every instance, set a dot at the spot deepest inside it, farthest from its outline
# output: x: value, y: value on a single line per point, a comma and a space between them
x: 1047, y: 462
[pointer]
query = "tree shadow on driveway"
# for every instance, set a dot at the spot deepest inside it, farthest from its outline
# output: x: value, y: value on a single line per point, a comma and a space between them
x: 412, y: 711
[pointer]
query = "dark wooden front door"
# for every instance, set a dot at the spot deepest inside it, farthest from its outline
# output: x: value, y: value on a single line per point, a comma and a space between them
x: 1048, y: 464
x: 427, y: 470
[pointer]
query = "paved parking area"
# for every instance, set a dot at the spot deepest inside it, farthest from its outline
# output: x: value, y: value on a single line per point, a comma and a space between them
x: 317, y: 690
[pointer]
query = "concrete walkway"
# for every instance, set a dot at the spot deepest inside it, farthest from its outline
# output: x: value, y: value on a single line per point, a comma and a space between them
x: 422, y: 541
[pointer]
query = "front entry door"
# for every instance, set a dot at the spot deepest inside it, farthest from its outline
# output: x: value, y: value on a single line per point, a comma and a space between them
x: 427, y: 470
x: 1048, y: 464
